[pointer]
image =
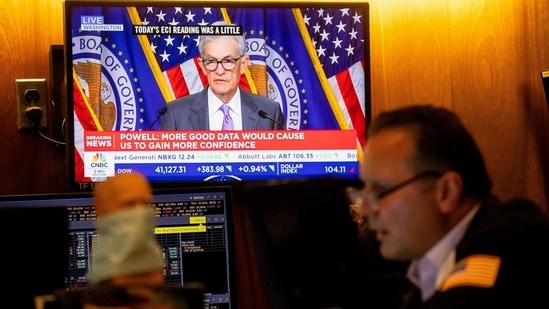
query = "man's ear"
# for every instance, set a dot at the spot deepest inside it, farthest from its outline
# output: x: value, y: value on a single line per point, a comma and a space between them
x: 201, y: 65
x: 244, y: 62
x: 449, y: 191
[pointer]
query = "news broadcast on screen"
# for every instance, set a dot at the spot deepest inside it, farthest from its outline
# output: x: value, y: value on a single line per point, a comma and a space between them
x: 126, y: 62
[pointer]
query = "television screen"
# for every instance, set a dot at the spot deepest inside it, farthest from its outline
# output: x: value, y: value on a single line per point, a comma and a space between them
x: 127, y: 60
x: 194, y: 228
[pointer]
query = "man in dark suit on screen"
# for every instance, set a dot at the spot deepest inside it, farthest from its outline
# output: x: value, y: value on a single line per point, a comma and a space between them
x: 223, y: 105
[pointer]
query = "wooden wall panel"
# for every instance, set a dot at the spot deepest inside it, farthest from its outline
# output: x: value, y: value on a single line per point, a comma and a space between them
x: 487, y: 93
x: 409, y: 54
x: 28, y: 163
x: 483, y: 60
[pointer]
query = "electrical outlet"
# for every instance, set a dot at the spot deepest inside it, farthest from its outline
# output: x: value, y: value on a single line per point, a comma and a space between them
x: 30, y: 98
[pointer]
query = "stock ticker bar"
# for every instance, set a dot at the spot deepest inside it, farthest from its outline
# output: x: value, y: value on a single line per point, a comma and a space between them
x: 202, y: 155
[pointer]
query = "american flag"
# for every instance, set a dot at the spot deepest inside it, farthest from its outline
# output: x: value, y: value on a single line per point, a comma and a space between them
x: 177, y: 55
x: 336, y: 35
x: 339, y: 40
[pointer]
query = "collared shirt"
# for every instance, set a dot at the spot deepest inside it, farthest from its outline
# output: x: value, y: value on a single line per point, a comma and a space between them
x: 216, y: 115
x: 429, y: 271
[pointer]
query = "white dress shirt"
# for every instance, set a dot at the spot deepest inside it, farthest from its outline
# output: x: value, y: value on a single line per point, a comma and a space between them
x: 216, y: 114
x: 430, y: 271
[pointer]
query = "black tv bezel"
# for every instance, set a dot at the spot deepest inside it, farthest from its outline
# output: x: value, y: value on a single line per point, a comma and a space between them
x: 74, y: 186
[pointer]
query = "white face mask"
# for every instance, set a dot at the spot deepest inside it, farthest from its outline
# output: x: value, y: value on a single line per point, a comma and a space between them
x: 125, y: 244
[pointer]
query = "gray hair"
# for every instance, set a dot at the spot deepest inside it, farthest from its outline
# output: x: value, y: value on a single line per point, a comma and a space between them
x: 239, y: 39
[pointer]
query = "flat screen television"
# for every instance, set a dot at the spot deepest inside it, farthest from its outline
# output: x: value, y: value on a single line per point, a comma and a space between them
x: 125, y: 60
x: 194, y: 228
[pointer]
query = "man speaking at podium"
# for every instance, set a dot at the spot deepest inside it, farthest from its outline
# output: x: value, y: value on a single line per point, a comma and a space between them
x: 223, y: 105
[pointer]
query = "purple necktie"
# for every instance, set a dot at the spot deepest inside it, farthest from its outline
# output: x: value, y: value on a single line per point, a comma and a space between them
x: 227, y: 120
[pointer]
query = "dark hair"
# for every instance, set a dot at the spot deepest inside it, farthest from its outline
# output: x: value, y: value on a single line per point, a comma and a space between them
x: 442, y: 143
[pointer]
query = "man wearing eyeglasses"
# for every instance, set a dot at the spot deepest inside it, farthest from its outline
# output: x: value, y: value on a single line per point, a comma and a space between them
x: 427, y: 195
x: 223, y: 105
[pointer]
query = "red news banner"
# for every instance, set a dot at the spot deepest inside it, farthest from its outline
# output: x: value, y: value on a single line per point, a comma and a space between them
x: 201, y: 154
x: 151, y: 141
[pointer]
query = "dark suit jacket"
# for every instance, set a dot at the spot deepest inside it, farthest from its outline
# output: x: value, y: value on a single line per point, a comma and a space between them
x: 191, y: 113
x: 518, y: 233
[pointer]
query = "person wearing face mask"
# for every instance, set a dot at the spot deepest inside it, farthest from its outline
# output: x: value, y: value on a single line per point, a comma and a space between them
x: 127, y: 265
x: 126, y: 251
x: 223, y: 105
x: 427, y: 197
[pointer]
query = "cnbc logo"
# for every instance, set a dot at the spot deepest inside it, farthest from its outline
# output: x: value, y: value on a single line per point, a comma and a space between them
x: 98, y: 165
x: 97, y: 23
x: 99, y: 161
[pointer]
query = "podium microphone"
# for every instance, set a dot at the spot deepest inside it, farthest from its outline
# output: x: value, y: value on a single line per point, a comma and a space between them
x: 264, y: 115
x: 161, y: 112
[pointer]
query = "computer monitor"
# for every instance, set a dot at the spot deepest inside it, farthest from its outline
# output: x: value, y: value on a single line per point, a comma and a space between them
x: 34, y: 242
x: 307, y: 244
x: 194, y: 229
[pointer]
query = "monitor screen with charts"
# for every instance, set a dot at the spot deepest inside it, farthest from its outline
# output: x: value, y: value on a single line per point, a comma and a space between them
x: 193, y: 228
